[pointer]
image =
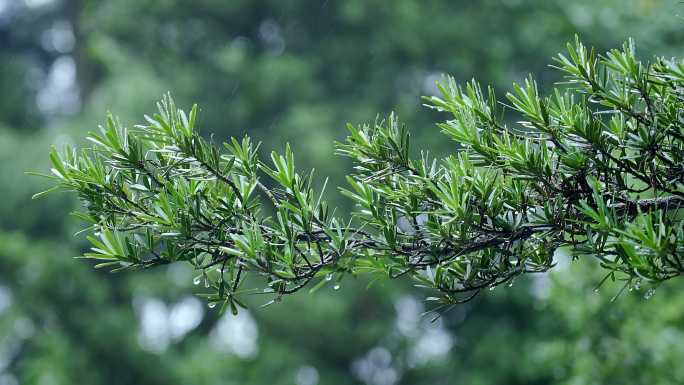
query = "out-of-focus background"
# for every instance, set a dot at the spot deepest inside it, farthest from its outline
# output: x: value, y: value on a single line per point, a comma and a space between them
x: 296, y: 71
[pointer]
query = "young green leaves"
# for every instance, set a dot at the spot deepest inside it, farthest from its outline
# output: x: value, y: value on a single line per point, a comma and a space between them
x: 595, y: 168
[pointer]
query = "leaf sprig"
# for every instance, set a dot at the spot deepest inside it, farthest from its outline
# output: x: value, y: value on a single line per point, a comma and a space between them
x: 596, y: 168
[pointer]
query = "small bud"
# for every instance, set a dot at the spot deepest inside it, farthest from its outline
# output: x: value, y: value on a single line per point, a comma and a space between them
x: 649, y: 293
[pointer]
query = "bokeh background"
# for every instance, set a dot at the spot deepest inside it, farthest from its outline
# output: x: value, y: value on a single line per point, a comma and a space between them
x: 296, y: 71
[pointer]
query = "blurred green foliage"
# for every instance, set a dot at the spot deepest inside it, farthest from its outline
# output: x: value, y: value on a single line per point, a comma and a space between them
x: 294, y: 71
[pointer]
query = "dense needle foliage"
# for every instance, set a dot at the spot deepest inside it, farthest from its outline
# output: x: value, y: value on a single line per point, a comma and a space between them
x: 596, y: 168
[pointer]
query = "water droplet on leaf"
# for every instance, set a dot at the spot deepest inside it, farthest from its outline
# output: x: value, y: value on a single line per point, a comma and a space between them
x: 336, y: 287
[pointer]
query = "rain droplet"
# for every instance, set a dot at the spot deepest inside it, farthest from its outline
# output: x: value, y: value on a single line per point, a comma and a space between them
x: 207, y: 283
x: 211, y: 305
x: 329, y: 277
x: 197, y: 280
x: 491, y: 288
x: 596, y: 290
x: 336, y: 287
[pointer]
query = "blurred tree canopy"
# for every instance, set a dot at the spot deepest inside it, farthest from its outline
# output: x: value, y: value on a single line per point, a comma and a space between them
x: 294, y: 71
